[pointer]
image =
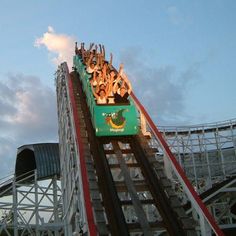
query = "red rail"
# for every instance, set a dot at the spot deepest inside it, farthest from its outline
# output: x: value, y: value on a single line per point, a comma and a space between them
x: 85, y: 183
x: 179, y: 171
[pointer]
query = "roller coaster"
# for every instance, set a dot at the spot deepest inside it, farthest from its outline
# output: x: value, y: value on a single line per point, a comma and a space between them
x: 108, y: 119
x: 119, y: 186
x: 150, y: 181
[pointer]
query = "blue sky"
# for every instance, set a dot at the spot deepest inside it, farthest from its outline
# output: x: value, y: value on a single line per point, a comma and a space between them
x: 179, y: 55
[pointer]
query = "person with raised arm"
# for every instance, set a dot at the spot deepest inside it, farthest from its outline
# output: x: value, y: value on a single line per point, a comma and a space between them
x: 111, y: 78
x: 91, y: 66
x: 110, y: 66
x: 122, y: 87
x: 101, y: 96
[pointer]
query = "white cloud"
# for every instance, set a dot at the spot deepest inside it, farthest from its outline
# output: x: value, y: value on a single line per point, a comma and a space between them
x: 60, y: 46
x: 27, y: 106
x: 29, y: 116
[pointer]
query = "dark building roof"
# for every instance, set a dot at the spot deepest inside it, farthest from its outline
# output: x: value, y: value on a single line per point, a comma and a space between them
x: 42, y: 156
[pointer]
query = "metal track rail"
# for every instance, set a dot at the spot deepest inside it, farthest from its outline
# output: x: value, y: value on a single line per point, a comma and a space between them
x: 129, y: 184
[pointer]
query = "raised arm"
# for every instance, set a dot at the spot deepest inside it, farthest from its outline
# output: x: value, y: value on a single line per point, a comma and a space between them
x: 90, y: 46
x: 110, y: 62
x: 82, y: 51
x: 89, y: 60
x: 96, y: 50
x: 118, y: 79
x: 100, y: 57
x: 98, y: 81
x: 115, y: 87
x: 76, y: 48
x: 110, y: 85
x: 103, y: 52
x: 127, y: 82
x: 94, y: 93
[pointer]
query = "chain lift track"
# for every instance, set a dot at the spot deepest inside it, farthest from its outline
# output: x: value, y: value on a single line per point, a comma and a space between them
x: 131, y: 182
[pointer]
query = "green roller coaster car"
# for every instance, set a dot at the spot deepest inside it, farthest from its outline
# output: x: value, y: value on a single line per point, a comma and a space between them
x: 107, y: 119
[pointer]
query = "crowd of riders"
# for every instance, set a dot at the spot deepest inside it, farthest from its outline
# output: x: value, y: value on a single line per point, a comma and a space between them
x: 109, y: 86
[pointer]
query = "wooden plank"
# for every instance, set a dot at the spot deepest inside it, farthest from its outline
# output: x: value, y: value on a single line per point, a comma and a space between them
x: 131, y: 189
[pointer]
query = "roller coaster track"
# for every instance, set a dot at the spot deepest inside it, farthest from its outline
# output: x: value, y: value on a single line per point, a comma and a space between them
x: 106, y: 196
